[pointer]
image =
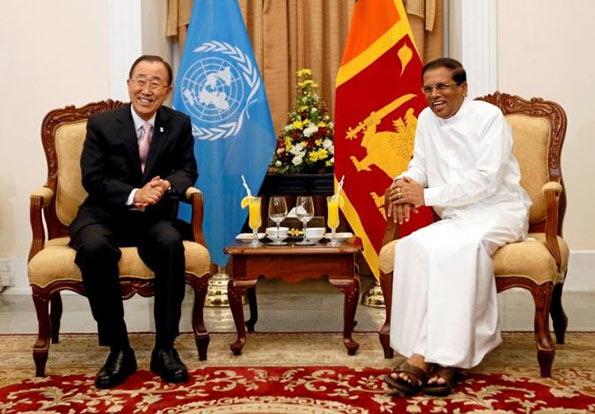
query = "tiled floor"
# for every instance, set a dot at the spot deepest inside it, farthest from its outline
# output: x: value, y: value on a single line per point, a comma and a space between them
x: 311, y: 305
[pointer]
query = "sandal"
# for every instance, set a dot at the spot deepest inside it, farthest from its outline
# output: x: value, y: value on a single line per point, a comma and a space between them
x: 417, y: 377
x: 448, y: 374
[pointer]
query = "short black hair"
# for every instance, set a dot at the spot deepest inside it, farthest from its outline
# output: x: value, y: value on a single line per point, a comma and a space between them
x: 457, y: 71
x: 152, y: 58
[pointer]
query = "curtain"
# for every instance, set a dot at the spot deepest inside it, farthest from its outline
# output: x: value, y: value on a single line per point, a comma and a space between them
x: 294, y: 34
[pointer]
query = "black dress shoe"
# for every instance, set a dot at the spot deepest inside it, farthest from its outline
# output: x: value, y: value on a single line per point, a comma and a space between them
x: 117, y: 367
x: 167, y: 364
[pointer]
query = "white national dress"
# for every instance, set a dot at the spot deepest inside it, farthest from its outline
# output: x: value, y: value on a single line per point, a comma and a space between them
x: 444, y: 302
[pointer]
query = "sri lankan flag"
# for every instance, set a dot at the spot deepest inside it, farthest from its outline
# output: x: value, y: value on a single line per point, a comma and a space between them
x: 378, y: 100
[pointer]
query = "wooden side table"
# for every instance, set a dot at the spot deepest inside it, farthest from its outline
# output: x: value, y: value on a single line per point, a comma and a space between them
x: 292, y: 264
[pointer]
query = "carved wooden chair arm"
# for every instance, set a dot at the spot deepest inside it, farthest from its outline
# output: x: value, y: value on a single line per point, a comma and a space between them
x: 45, y: 193
x: 551, y: 191
x: 39, y: 199
x: 194, y: 197
x: 392, y: 229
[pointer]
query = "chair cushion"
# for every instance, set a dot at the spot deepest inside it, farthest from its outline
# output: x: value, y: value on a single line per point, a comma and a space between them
x: 529, y: 259
x: 69, y: 192
x: 56, y: 262
x: 531, y: 140
x: 386, y: 258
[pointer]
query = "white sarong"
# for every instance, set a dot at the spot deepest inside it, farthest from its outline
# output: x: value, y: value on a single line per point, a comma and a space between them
x: 444, y: 303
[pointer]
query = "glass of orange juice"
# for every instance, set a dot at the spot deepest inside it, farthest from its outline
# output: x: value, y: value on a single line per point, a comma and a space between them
x: 254, y: 217
x: 332, y: 205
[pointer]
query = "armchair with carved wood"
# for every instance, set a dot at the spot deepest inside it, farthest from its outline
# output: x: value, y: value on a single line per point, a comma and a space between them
x: 51, y: 266
x: 540, y: 263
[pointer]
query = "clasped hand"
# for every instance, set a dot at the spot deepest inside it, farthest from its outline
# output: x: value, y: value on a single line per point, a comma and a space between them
x: 151, y: 192
x: 405, y: 195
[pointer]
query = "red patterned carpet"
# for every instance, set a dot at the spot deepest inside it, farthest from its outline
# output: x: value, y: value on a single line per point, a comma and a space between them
x: 272, y: 377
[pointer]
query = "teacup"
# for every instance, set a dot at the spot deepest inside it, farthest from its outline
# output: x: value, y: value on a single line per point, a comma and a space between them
x: 314, y: 234
x: 275, y: 235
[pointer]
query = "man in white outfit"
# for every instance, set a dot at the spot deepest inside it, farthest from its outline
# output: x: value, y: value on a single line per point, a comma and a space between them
x: 444, y: 307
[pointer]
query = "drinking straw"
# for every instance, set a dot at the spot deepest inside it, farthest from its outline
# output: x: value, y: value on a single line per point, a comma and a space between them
x: 339, y: 187
x: 246, y: 186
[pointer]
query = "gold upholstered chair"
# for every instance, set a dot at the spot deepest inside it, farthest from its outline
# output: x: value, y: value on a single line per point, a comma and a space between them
x: 51, y: 267
x: 538, y: 264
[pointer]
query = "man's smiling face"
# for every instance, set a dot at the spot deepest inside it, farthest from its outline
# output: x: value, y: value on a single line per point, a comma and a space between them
x: 443, y: 95
x: 148, y: 87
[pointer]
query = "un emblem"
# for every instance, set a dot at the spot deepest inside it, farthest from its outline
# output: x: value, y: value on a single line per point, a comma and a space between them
x: 218, y: 89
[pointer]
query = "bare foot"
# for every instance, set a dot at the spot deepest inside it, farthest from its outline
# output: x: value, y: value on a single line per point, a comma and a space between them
x: 417, y: 360
x: 437, y: 379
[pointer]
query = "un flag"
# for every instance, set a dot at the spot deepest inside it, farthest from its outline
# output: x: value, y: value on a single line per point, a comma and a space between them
x: 219, y: 86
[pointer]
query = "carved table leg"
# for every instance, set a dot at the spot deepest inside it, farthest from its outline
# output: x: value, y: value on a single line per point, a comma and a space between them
x: 253, y: 305
x: 350, y: 288
x: 235, y: 290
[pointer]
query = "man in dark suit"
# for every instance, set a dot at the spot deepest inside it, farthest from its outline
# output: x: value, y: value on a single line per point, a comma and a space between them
x: 137, y: 161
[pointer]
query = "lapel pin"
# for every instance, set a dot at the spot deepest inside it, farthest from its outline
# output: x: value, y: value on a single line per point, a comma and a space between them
x: 161, y: 129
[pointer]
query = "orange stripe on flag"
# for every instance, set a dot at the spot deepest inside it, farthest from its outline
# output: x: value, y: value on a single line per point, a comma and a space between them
x: 361, y: 33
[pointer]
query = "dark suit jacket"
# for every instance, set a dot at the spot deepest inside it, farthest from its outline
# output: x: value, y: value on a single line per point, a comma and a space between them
x: 111, y: 168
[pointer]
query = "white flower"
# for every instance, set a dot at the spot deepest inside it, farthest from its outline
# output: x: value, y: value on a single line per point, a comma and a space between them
x: 327, y: 144
x: 310, y: 130
x: 280, y: 150
x: 278, y: 163
x: 305, y: 99
x: 296, y: 160
x: 297, y: 148
x: 288, y: 127
x: 314, y: 109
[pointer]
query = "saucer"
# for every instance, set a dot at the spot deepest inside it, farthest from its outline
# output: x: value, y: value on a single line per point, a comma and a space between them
x: 340, y: 237
x: 247, y: 237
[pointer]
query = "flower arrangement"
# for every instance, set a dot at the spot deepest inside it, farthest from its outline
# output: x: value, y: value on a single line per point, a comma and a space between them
x: 305, y: 144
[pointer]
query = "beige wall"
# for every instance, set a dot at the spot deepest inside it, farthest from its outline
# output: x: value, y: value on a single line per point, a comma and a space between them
x: 53, y: 53
x: 545, y: 50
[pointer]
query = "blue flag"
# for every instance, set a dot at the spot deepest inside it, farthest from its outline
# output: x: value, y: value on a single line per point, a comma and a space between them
x: 219, y: 86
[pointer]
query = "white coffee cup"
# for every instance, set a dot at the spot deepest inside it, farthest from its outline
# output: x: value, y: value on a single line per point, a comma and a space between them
x: 280, y: 235
x: 315, y: 233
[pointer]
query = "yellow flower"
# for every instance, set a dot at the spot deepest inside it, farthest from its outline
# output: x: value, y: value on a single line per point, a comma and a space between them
x: 295, y: 232
x: 287, y: 143
x: 303, y: 108
x: 328, y: 163
x: 318, y: 142
x: 306, y: 121
x: 322, y: 154
x: 297, y: 124
x: 303, y: 72
x: 313, y: 156
x: 321, y: 124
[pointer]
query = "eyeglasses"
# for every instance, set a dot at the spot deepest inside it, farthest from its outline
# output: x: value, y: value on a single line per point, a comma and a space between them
x: 440, y: 87
x: 152, y: 84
